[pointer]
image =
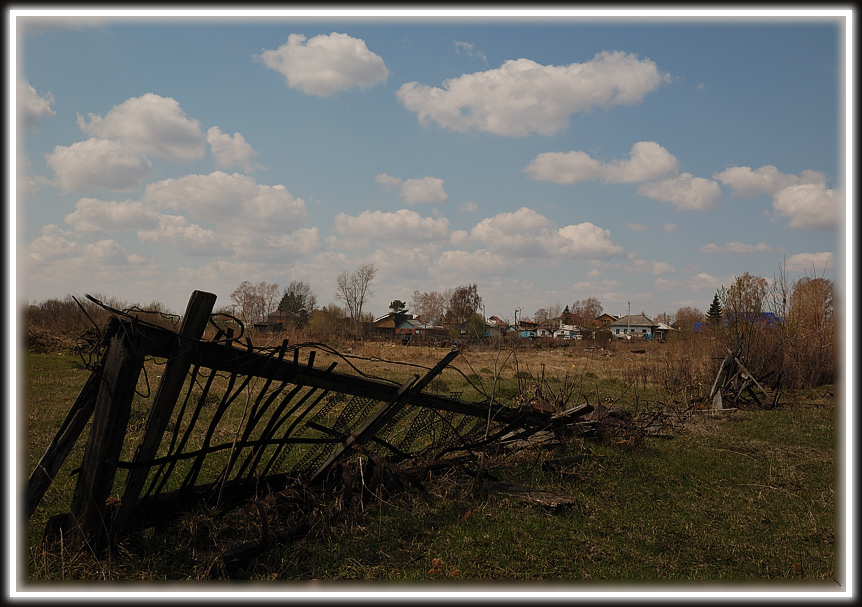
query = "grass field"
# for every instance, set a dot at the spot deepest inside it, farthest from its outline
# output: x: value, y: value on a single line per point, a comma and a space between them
x: 745, y: 497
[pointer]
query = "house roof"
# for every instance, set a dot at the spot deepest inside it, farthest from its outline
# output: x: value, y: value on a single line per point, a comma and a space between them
x: 633, y: 320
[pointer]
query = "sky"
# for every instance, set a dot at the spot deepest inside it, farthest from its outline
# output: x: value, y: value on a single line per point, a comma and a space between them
x: 642, y: 161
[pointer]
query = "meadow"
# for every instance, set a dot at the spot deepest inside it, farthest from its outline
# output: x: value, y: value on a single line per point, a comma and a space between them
x: 742, y: 497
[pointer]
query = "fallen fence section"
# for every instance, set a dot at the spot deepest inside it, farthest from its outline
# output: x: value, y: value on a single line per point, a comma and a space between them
x: 230, y: 424
x: 735, y: 385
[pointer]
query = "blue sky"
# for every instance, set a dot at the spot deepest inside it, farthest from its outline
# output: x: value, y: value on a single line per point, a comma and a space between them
x: 547, y: 159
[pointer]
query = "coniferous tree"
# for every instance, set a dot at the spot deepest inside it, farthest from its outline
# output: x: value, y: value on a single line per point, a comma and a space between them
x: 714, y: 312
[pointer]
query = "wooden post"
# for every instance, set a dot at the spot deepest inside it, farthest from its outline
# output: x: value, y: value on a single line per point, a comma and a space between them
x: 194, y: 323
x: 63, y: 441
x: 123, y: 363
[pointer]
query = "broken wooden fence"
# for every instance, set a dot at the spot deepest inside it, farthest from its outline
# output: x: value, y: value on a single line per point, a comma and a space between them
x: 229, y: 422
x: 734, y: 384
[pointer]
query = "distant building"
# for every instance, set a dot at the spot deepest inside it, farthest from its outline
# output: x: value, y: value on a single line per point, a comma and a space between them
x: 633, y: 326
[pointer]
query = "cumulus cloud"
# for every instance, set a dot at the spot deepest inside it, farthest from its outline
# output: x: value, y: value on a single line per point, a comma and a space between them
x: 810, y: 262
x: 470, y: 263
x: 809, y: 205
x: 635, y: 227
x: 151, y: 125
x: 748, y: 183
x: 736, y: 247
x: 33, y: 108
x: 221, y: 197
x: 54, y: 243
x: 106, y: 252
x: 326, y: 65
x: 191, y: 239
x: 231, y: 151
x: 97, y: 163
x: 529, y: 234
x: 685, y: 192
x: 403, y: 224
x: 93, y: 215
x: 647, y: 160
x: 523, y: 97
x: 416, y: 191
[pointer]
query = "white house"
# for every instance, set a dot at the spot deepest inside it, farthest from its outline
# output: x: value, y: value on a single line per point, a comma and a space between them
x: 633, y: 326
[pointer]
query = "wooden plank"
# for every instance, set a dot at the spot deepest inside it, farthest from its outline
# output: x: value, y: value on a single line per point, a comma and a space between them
x: 123, y: 363
x: 194, y: 323
x: 220, y: 357
x: 63, y: 441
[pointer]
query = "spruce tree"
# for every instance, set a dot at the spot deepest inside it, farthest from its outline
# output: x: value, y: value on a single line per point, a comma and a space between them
x: 714, y: 312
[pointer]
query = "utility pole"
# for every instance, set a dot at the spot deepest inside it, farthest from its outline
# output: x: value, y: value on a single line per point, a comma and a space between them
x: 629, y: 320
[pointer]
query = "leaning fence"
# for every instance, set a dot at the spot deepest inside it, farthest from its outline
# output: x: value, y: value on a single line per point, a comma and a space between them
x: 228, y: 422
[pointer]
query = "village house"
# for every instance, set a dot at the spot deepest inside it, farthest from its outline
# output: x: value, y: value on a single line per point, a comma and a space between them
x: 633, y: 326
x: 400, y: 324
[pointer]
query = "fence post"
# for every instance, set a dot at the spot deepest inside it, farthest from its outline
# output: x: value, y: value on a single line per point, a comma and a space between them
x: 194, y: 323
x: 124, y: 360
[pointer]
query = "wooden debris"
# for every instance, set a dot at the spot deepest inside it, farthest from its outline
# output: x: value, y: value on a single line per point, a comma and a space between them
x: 734, y: 384
x: 546, y: 499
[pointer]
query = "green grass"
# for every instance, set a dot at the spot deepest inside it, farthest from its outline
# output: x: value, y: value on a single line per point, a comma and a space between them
x: 748, y: 496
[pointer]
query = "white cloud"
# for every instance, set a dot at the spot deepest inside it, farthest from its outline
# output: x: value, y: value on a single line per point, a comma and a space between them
x: 32, y: 108
x: 810, y: 262
x: 735, y: 247
x: 54, y: 243
x: 97, y: 163
x: 415, y: 191
x: 523, y: 97
x: 426, y: 189
x: 326, y: 65
x: 470, y: 264
x: 469, y: 49
x: 664, y: 283
x: 403, y: 225
x: 106, y: 252
x: 660, y: 267
x: 767, y: 179
x: 468, y: 207
x: 685, y: 192
x: 564, y: 167
x: 151, y: 125
x: 220, y: 197
x: 704, y: 280
x: 647, y: 160
x: 527, y: 233
x: 93, y: 215
x: 809, y: 205
x: 387, y: 180
x: 635, y: 227
x: 231, y: 151
x: 191, y: 239
x: 669, y: 227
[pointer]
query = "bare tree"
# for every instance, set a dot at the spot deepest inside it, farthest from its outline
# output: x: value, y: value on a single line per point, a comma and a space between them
x: 255, y: 301
x: 465, y: 300
x: 686, y: 316
x: 431, y: 306
x: 585, y: 311
x: 354, y: 289
x: 541, y: 315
